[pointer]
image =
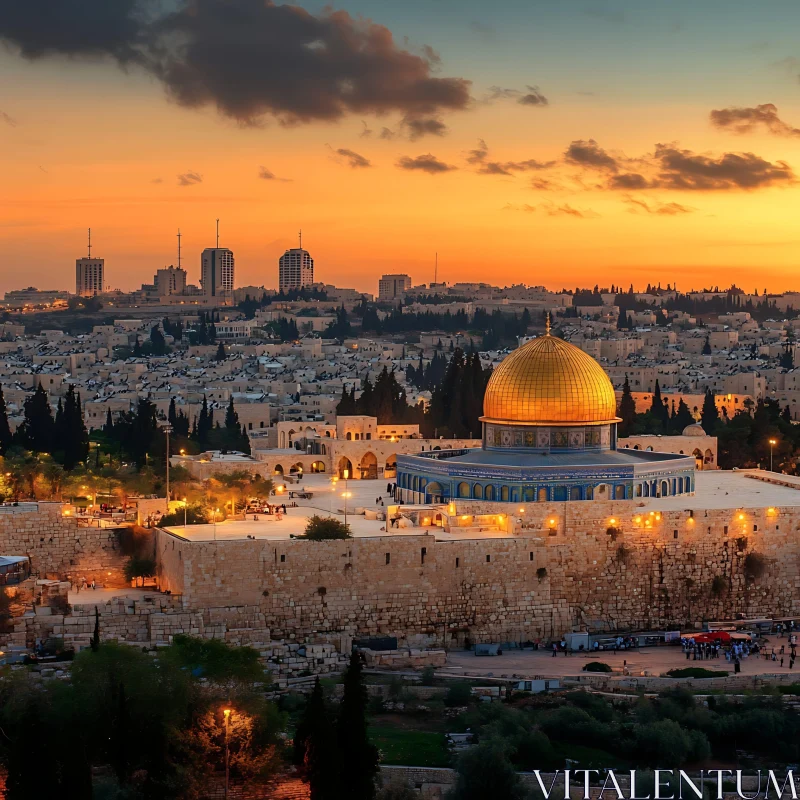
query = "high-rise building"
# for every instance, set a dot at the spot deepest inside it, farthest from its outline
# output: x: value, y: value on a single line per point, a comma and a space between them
x: 216, y: 273
x: 170, y: 280
x: 89, y: 274
x: 392, y: 286
x: 295, y: 269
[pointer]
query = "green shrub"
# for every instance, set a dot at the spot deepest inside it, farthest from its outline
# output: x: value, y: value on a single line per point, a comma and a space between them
x: 597, y: 666
x: 325, y: 528
x: 428, y: 676
x: 695, y: 672
x: 459, y: 694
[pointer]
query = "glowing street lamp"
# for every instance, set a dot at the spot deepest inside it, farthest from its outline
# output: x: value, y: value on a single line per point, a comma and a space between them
x: 772, y: 443
x: 226, y: 712
x: 185, y: 504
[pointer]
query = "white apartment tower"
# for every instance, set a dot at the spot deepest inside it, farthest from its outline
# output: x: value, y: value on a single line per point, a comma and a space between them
x: 216, y: 273
x: 89, y: 274
x: 393, y: 286
x: 295, y: 268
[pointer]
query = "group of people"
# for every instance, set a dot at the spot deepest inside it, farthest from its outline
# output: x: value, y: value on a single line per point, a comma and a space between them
x: 84, y: 585
x: 735, y: 652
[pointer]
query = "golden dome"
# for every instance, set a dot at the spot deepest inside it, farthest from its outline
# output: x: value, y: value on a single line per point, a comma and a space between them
x: 550, y: 382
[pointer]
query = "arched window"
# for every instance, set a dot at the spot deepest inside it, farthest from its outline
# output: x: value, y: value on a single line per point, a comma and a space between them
x: 619, y: 493
x: 575, y: 493
x: 527, y: 494
x: 504, y: 494
x: 542, y: 495
x: 349, y: 436
x: 664, y: 489
x: 477, y: 492
x: 560, y: 493
x: 463, y: 489
x: 488, y: 492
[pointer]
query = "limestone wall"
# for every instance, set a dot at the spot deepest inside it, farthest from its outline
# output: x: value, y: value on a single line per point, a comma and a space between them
x: 58, y: 547
x: 561, y: 570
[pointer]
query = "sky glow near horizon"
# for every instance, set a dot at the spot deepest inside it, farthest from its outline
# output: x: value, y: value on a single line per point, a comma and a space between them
x: 563, y: 144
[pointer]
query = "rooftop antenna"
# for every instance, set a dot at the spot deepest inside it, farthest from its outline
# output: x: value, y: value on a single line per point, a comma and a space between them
x: 90, y: 242
x: 300, y: 235
x: 436, y: 268
x: 218, y: 234
x: 179, y: 248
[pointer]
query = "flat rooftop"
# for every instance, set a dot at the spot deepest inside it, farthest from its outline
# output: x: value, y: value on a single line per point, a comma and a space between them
x: 715, y: 489
x: 732, y: 489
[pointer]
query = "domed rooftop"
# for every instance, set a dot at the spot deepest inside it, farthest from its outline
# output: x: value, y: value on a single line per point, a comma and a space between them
x: 550, y: 382
x: 695, y: 429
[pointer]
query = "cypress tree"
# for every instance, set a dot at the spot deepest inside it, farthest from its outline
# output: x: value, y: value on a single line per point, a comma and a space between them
x: 5, y: 429
x: 95, y: 642
x: 37, y: 429
x: 627, y: 410
x: 316, y: 749
x: 359, y: 755
x: 709, y: 416
x: 221, y: 355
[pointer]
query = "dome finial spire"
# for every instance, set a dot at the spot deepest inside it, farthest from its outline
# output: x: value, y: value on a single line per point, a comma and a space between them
x: 547, y: 325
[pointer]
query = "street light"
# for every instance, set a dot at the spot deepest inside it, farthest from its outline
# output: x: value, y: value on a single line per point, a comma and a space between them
x: 345, y: 475
x: 216, y: 511
x: 772, y: 443
x: 185, y: 504
x: 227, y: 714
x: 167, y: 431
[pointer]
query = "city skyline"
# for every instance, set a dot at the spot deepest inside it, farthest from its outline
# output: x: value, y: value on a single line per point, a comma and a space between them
x: 656, y: 143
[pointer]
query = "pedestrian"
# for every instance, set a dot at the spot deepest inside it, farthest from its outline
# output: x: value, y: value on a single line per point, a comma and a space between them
x: 781, y: 661
x: 94, y: 585
x: 555, y: 649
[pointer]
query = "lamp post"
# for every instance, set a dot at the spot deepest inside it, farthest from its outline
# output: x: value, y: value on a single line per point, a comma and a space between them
x: 772, y: 443
x: 346, y: 475
x: 167, y: 431
x: 184, y: 515
x: 227, y: 714
x: 216, y: 511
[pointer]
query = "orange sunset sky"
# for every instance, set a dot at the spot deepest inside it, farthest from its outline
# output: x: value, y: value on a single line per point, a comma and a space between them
x: 592, y: 142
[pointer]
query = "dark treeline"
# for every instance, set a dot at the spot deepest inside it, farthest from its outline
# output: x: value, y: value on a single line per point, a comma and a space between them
x: 498, y: 329
x: 62, y: 435
x: 250, y: 305
x: 456, y: 403
x: 386, y: 400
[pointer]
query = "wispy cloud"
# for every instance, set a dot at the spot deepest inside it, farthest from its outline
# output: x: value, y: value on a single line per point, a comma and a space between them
x: 8, y: 119
x: 268, y: 175
x: 745, y: 120
x: 425, y: 163
x: 637, y: 205
x: 352, y: 159
x: 189, y: 179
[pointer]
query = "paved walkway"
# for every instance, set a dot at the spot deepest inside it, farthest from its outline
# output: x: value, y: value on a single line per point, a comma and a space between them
x: 652, y: 660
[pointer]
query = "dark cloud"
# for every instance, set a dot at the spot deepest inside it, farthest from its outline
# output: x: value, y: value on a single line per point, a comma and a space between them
x: 354, y: 160
x: 366, y: 131
x: 683, y: 169
x: 480, y: 155
x: 566, y: 210
x: 8, y: 119
x: 533, y: 97
x: 387, y: 133
x: 40, y: 28
x: 417, y: 127
x: 530, y: 97
x: 425, y: 163
x: 268, y: 175
x: 629, y: 181
x: 637, y: 206
x: 554, y: 210
x: 248, y: 58
x: 189, y: 179
x: 745, y: 120
x: 587, y: 153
